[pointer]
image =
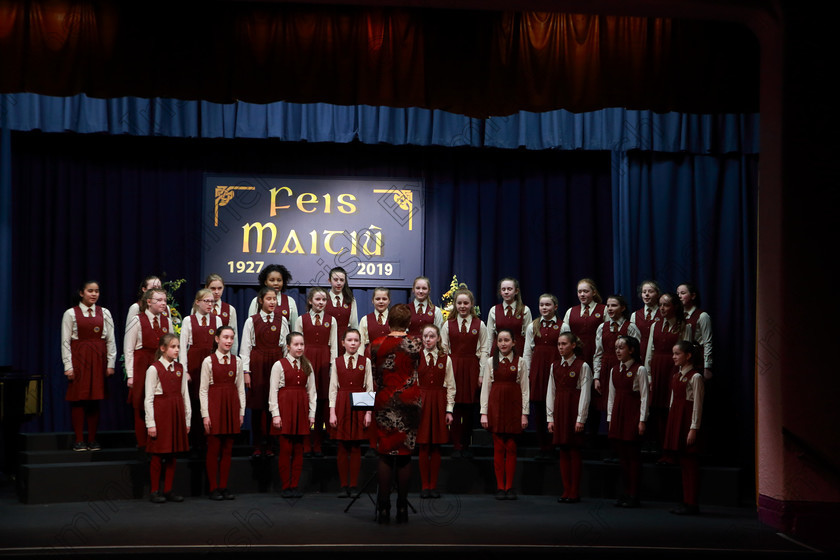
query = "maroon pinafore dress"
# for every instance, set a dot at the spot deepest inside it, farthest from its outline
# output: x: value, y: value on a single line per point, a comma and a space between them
x: 419, y: 321
x: 224, y: 314
x: 504, y: 405
x: 170, y: 414
x: 223, y: 398
x: 265, y: 352
x: 317, y: 351
x: 351, y: 423
x: 432, y: 427
x: 465, y: 363
x: 543, y: 355
x: 679, y: 417
x: 293, y: 402
x: 90, y: 358
x: 202, y: 346
x: 627, y: 404
x: 341, y: 314
x: 567, y: 402
x: 585, y: 328
x: 513, y: 324
x: 375, y: 330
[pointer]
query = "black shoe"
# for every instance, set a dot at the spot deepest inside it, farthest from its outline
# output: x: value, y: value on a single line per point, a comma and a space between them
x: 297, y: 492
x: 632, y: 502
x: 686, y: 509
x: 227, y: 494
x: 216, y: 495
x: 94, y: 446
x: 307, y: 455
x: 354, y: 492
x: 402, y: 513
x: 510, y: 494
x: 434, y: 494
x: 383, y: 514
x: 157, y: 498
x: 425, y: 494
x: 344, y: 492
x: 456, y: 454
x: 80, y: 446
x: 501, y: 495
x: 286, y: 493
x: 173, y: 497
x: 562, y: 500
x: 371, y: 453
x: 620, y: 501
x: 257, y: 454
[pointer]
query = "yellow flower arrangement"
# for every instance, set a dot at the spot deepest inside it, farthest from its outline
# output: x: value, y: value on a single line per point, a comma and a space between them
x: 175, y: 316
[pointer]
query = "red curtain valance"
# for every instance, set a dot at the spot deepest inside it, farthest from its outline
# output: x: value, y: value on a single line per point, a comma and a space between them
x: 478, y: 63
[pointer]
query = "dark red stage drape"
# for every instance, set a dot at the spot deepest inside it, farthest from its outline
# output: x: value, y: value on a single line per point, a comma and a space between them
x: 479, y: 63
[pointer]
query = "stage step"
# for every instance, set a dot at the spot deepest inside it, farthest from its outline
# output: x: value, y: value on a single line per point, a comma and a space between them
x: 60, y: 475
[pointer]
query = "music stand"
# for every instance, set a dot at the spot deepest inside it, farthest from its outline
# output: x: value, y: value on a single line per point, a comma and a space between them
x: 363, y: 401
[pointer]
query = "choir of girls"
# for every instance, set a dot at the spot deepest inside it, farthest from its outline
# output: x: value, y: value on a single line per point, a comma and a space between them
x: 639, y: 375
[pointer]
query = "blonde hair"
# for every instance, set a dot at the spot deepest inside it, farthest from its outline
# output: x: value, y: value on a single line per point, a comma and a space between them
x: 199, y: 295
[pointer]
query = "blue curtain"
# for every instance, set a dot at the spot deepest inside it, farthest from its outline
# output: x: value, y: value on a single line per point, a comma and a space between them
x: 613, y: 129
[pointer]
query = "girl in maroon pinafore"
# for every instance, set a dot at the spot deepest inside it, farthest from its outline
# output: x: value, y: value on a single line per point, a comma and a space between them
x: 666, y: 332
x: 504, y: 410
x: 350, y: 373
x: 648, y: 315
x: 681, y: 433
x: 198, y: 340
x: 540, y: 352
x: 292, y: 401
x: 627, y: 411
x: 341, y: 304
x: 222, y: 397
x: 168, y: 413
x: 372, y: 326
x: 142, y: 338
x: 89, y: 351
x: 320, y: 331
x: 263, y: 343
x: 464, y: 337
x: 567, y: 406
x: 437, y: 388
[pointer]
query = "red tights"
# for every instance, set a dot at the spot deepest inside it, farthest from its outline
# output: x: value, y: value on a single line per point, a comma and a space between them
x: 219, y: 452
x: 504, y: 460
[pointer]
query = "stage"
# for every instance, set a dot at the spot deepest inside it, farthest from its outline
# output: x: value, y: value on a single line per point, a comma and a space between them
x: 456, y: 524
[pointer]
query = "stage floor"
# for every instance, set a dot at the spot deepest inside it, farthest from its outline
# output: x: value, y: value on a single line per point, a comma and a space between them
x: 317, y: 525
